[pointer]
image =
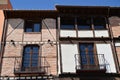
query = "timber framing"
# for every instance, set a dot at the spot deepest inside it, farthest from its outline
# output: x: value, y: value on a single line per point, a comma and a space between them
x: 70, y: 11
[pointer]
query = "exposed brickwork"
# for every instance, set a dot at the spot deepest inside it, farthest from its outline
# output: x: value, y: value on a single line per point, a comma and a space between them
x: 1, y: 23
x: 118, y: 54
x: 115, y: 25
x: 15, y: 30
x: 5, y: 4
x: 18, y: 35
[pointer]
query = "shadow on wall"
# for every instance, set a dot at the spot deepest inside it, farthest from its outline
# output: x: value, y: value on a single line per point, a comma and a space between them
x: 114, y: 21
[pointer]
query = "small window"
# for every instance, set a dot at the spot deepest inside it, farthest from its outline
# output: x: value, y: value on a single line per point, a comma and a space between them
x: 32, y: 26
x: 84, y: 23
x: 99, y: 23
x: 67, y: 23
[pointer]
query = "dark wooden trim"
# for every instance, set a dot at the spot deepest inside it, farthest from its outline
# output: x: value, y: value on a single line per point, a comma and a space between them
x: 4, y: 33
x: 104, y: 39
x: 115, y: 57
x: 32, y: 21
x: 76, y: 28
x: 93, y: 75
x: 117, y: 60
x: 61, y: 65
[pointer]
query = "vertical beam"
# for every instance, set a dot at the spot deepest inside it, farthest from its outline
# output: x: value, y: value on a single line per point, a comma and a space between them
x: 59, y: 51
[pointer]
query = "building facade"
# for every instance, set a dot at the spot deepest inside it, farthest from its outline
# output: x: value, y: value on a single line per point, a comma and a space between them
x: 69, y: 43
x: 5, y: 4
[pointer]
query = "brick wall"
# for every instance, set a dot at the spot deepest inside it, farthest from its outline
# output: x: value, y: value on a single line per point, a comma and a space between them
x: 115, y: 25
x: 1, y: 23
x: 16, y: 32
x: 5, y: 4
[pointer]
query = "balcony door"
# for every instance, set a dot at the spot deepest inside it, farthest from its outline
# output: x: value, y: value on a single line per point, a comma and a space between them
x: 88, y: 58
x: 30, y: 57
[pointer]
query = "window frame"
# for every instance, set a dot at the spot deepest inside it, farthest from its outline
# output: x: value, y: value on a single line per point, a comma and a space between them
x: 101, y: 24
x: 85, y: 18
x: 70, y: 19
x: 87, y: 54
x: 32, y: 22
x: 30, y: 54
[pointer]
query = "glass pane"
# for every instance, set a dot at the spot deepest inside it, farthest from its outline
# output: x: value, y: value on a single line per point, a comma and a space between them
x: 99, y: 27
x: 90, y: 47
x: 67, y: 26
x: 26, y: 64
x: 82, y: 47
x: 36, y: 27
x: 35, y: 49
x: 84, y: 23
x: 84, y: 27
x: 67, y: 23
x: 27, y: 49
x: 91, y: 57
x: 91, y: 53
x: 28, y: 29
x: 99, y: 23
x: 26, y: 56
x: 83, y: 58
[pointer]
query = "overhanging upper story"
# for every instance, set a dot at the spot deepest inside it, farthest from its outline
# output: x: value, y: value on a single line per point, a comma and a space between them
x: 93, y: 18
x: 66, y: 10
x: 70, y: 23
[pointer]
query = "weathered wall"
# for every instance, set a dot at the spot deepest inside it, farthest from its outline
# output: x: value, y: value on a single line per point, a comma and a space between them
x: 5, y: 4
x: 22, y: 38
x: 115, y: 25
x: 1, y: 23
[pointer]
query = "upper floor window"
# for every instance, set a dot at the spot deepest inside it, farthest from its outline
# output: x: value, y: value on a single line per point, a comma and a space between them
x: 67, y: 23
x: 99, y: 23
x: 33, y: 26
x: 30, y: 56
x: 84, y: 23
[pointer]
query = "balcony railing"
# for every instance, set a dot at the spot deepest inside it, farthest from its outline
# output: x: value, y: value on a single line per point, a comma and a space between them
x: 89, y: 62
x: 36, y: 66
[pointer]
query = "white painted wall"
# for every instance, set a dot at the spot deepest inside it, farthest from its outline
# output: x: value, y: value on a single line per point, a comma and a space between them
x: 68, y: 57
x: 107, y: 51
x: 66, y: 33
x: 58, y: 59
x: 100, y: 33
x: 86, y: 33
x: 117, y: 44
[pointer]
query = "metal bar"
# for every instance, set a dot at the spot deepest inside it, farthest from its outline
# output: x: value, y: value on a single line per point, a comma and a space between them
x: 43, y: 68
x: 100, y: 65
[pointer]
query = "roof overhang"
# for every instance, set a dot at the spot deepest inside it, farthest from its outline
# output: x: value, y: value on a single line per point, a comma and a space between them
x: 64, y: 10
x: 83, y: 10
x: 30, y: 14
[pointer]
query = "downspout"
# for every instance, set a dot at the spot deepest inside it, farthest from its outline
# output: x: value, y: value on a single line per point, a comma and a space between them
x: 3, y: 40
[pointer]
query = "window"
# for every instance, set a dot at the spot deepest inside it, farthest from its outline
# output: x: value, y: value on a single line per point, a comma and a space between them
x: 84, y: 23
x: 30, y: 56
x: 33, y: 26
x: 67, y: 23
x: 87, y: 53
x: 99, y: 23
